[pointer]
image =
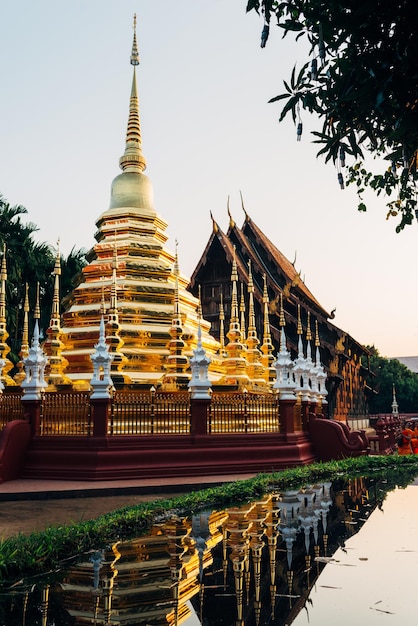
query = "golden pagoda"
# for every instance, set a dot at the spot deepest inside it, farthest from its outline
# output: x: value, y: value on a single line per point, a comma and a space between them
x: 130, y: 259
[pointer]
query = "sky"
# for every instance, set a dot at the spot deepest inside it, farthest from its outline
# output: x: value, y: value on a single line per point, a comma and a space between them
x: 208, y: 134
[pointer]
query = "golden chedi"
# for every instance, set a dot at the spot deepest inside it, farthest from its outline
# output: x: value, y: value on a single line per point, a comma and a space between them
x: 130, y: 265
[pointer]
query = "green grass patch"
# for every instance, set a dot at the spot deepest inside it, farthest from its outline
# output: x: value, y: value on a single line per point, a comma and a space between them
x: 43, y: 552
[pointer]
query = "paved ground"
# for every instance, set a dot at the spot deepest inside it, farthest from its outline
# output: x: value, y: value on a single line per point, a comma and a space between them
x: 31, y: 505
x: 26, y: 516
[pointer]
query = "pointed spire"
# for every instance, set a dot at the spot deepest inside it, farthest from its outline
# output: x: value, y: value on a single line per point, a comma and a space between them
x: 134, y: 54
x: 395, y: 407
x: 235, y: 362
x: 242, y: 314
x: 177, y: 361
x: 55, y: 315
x: 282, y: 320
x: 199, y: 305
x: 101, y: 382
x: 37, y: 312
x: 4, y: 335
x: 3, y: 279
x: 34, y: 363
x: 113, y: 309
x: 267, y: 347
x: 222, y: 350
x: 113, y: 328
x: 133, y: 159
x: 299, y: 328
x: 103, y: 304
x: 234, y: 326
x: 53, y: 344
x: 199, y: 384
x: 319, y: 370
x: 24, y: 346
x: 308, y: 338
x: 301, y: 368
x: 25, y: 334
x: 256, y: 371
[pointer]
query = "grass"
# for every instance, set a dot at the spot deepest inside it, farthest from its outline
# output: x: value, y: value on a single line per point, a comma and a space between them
x: 43, y: 552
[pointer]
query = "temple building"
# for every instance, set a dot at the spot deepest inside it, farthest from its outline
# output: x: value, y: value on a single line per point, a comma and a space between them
x: 146, y: 373
x: 241, y: 295
x: 274, y: 279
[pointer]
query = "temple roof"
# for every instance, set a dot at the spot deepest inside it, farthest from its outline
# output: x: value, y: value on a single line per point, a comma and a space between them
x: 266, y: 259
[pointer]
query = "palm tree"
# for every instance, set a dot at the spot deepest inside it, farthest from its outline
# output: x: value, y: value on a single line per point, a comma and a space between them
x: 32, y: 263
x: 27, y: 262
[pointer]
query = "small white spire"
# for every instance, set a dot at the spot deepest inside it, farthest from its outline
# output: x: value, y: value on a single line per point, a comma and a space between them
x: 101, y: 381
x: 34, y: 365
x: 199, y: 383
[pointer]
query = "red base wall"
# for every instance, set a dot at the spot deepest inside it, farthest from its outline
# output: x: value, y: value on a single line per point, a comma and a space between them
x: 72, y: 458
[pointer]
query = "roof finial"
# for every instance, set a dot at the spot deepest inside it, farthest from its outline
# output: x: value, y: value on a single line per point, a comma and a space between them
x: 247, y: 217
x: 133, y: 160
x: 134, y: 53
x: 231, y: 220
x: 215, y: 226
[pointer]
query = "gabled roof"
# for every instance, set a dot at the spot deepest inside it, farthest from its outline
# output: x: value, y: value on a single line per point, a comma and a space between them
x: 292, y: 277
x: 263, y: 254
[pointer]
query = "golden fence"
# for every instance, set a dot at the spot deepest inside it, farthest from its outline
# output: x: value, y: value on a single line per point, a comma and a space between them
x: 11, y: 408
x: 244, y: 413
x: 66, y: 413
x: 150, y: 413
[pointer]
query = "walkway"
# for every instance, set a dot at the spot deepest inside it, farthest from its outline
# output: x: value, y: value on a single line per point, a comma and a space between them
x: 33, y: 505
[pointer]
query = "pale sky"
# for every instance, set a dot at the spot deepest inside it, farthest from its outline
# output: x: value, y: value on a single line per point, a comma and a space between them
x: 208, y: 132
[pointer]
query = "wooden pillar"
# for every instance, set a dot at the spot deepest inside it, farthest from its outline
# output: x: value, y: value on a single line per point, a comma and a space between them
x: 381, y: 432
x: 32, y: 413
x: 199, y: 410
x: 305, y: 414
x: 100, y: 413
x: 287, y: 408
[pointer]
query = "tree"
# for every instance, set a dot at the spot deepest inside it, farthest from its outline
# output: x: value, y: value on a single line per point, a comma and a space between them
x: 32, y: 263
x: 29, y: 263
x: 389, y: 373
x: 361, y: 82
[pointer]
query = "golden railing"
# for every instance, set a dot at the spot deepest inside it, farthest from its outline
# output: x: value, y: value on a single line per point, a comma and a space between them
x: 243, y: 413
x: 150, y: 413
x: 11, y: 408
x: 66, y: 413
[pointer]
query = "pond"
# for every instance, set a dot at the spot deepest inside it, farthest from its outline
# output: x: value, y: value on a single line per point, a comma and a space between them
x: 330, y: 552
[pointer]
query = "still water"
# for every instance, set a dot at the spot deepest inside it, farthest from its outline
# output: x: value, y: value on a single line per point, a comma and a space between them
x: 332, y: 553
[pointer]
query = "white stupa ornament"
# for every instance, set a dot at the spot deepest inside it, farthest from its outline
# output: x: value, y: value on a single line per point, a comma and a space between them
x: 319, y: 371
x: 284, y: 383
x: 199, y: 383
x: 2, y: 364
x: 301, y: 367
x: 101, y: 381
x: 310, y: 365
x: 34, y: 364
x: 395, y: 406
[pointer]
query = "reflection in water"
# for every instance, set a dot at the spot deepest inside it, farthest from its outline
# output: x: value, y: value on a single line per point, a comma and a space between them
x: 257, y: 563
